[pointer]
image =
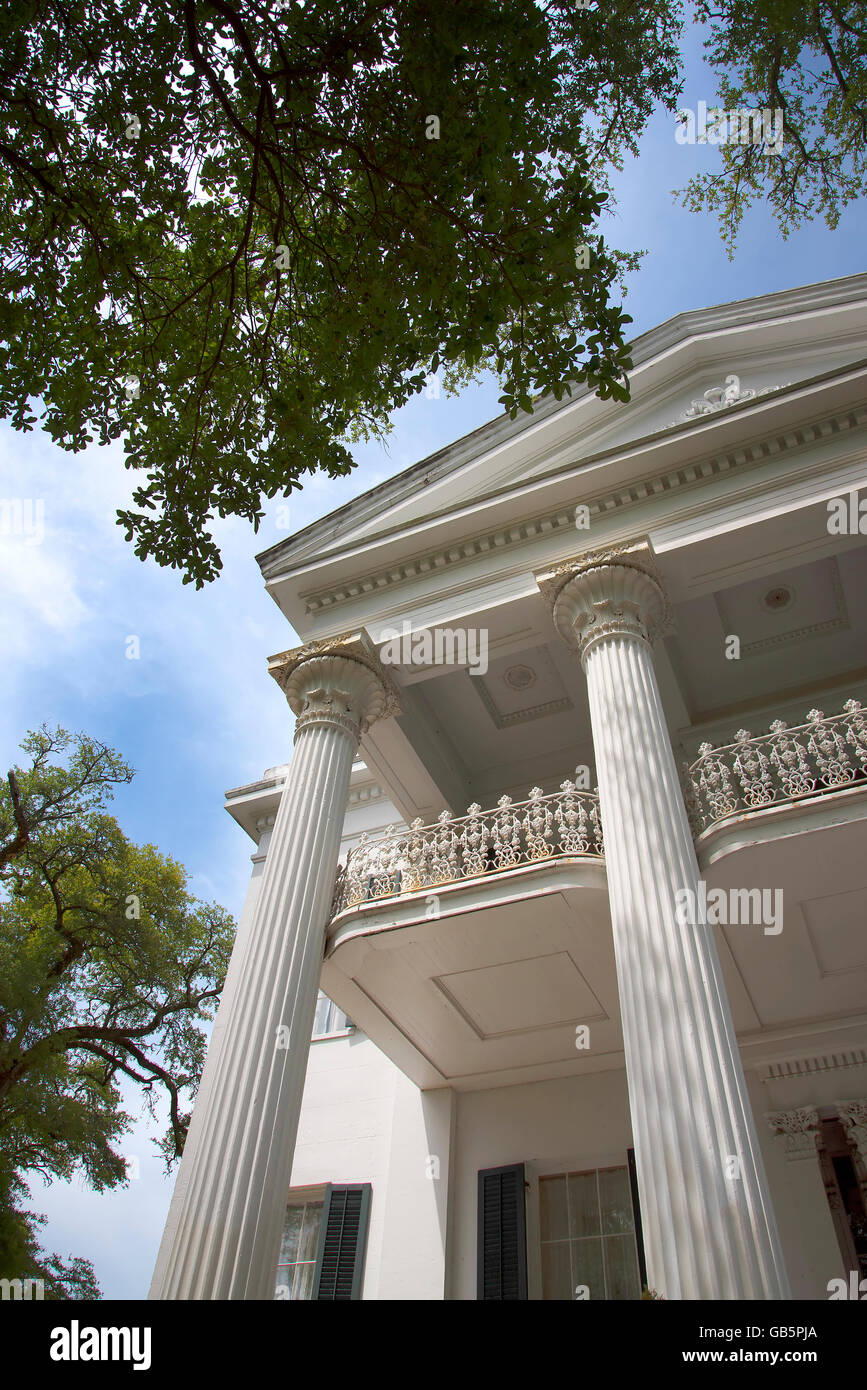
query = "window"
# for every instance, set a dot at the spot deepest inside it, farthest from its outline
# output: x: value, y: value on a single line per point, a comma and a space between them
x: 588, y: 1236
x: 323, y: 1244
x: 328, y: 1018
x: 297, y: 1263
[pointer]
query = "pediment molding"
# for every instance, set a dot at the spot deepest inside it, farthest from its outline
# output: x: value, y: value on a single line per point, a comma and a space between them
x: 510, y: 538
x: 790, y: 328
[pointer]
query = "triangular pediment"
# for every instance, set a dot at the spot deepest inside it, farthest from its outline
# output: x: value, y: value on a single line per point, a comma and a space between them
x: 697, y: 367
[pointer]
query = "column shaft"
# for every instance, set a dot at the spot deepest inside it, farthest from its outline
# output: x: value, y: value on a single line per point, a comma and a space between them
x: 223, y: 1234
x: 708, y: 1234
x: 709, y: 1227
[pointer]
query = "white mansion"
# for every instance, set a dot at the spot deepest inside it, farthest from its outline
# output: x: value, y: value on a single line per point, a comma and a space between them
x: 601, y: 820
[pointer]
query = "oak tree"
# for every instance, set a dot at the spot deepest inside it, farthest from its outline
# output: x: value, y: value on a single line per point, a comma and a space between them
x: 241, y: 233
x: 108, y: 970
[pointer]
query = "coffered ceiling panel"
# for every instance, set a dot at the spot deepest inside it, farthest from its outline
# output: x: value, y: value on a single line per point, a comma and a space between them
x: 837, y: 932
x: 793, y: 624
x: 522, y: 995
x: 519, y: 688
x: 794, y: 605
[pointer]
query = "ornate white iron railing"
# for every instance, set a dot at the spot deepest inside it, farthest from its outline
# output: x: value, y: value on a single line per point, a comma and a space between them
x: 481, y: 842
x: 823, y: 755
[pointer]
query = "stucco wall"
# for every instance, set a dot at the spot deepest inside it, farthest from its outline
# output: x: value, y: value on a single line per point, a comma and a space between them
x: 363, y: 1121
x: 551, y: 1126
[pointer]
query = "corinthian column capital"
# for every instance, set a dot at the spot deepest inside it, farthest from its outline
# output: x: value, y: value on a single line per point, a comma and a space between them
x: 614, y: 592
x: 853, y: 1114
x: 799, y: 1130
x: 338, y: 681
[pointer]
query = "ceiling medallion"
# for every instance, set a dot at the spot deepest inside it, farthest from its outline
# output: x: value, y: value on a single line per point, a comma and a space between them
x: 520, y: 677
x: 779, y: 597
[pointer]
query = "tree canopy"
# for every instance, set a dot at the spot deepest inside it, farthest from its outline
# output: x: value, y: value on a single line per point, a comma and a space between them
x: 809, y: 62
x: 108, y: 968
x: 241, y: 233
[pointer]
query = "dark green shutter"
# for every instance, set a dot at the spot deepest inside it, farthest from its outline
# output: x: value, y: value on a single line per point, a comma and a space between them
x: 636, y: 1212
x: 340, y: 1257
x: 502, y: 1238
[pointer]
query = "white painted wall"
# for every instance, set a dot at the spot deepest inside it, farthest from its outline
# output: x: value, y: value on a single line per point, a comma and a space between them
x: 575, y: 1123
x: 362, y: 1120
x: 417, y: 1207
x: 370, y: 818
x: 344, y: 1133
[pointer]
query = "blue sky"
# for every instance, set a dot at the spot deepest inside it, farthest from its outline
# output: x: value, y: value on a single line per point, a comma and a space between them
x: 197, y: 713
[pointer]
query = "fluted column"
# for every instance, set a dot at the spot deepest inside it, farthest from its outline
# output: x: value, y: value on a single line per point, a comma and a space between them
x: 709, y: 1228
x: 223, y: 1232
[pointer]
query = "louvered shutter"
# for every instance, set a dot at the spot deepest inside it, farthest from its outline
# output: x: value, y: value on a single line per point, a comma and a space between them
x: 340, y: 1258
x: 502, y: 1237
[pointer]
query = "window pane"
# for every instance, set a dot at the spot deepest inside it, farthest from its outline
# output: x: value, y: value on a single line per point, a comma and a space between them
x: 328, y: 1018
x: 552, y: 1202
x: 583, y: 1205
x: 556, y: 1274
x: 587, y: 1266
x: 320, y: 1018
x: 310, y: 1231
x: 303, y: 1281
x: 616, y: 1200
x: 621, y: 1267
x: 291, y: 1235
x: 298, y: 1247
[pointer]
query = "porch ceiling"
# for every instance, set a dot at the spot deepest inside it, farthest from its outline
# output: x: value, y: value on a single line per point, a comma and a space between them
x: 802, y: 630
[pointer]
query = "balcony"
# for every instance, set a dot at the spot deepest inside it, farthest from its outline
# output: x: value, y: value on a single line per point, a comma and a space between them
x: 757, y: 788
x: 786, y: 766
x: 564, y: 824
x: 471, y: 950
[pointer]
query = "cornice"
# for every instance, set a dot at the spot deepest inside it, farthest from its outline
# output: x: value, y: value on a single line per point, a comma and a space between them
x: 507, y: 539
x: 679, y: 330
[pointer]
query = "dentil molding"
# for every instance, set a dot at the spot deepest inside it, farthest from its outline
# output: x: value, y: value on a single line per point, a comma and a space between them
x: 562, y: 519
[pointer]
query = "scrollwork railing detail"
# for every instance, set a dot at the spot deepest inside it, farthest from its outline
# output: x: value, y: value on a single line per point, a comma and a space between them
x: 563, y: 823
x: 825, y: 754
